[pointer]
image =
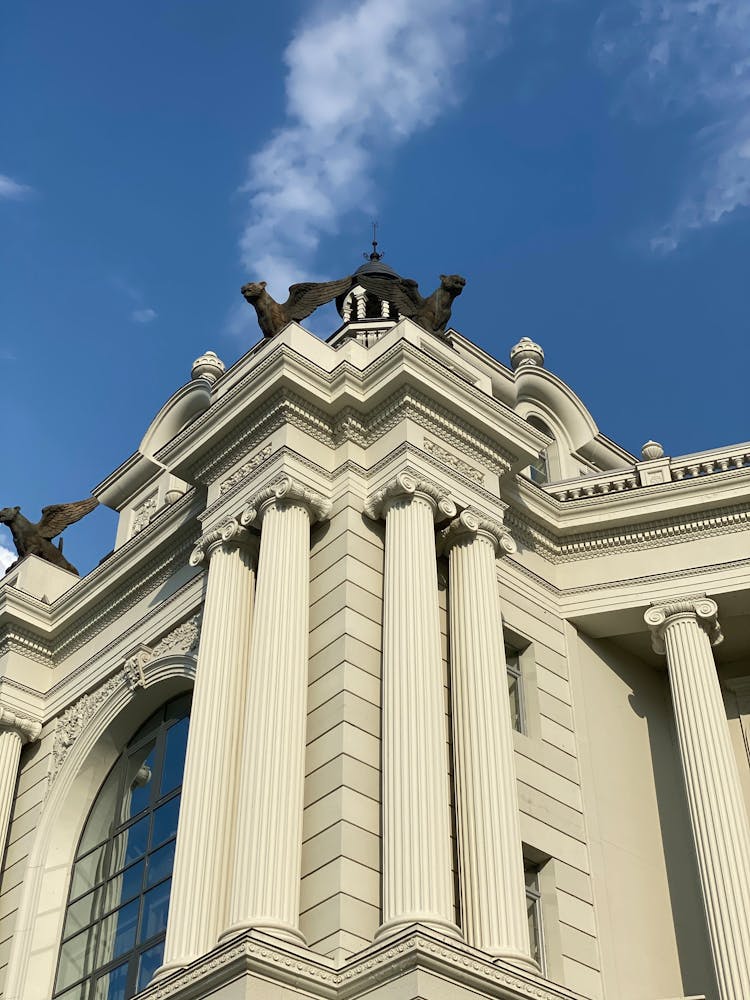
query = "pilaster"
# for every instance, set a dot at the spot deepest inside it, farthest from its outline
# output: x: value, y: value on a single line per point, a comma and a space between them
x: 269, y: 834
x: 15, y: 730
x: 417, y: 884
x: 686, y: 630
x: 493, y: 895
x: 202, y: 879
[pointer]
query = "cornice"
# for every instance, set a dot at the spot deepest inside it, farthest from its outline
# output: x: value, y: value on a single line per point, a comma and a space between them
x: 256, y: 954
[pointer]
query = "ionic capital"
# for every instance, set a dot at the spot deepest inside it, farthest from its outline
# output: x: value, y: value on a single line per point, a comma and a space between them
x: 471, y: 524
x: 226, y: 533
x: 699, y: 608
x: 27, y: 729
x: 407, y: 486
x: 285, y: 492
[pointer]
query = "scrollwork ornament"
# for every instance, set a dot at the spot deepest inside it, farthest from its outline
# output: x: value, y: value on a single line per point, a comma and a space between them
x: 471, y: 524
x: 231, y: 530
x: 703, y: 609
x: 27, y: 729
x: 285, y: 491
x: 407, y: 485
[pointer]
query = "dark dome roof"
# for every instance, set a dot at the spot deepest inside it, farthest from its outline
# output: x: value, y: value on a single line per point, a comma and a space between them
x: 376, y: 268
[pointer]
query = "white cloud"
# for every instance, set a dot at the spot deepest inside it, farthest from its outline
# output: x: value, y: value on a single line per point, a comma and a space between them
x: 361, y: 79
x: 690, y: 56
x: 6, y: 558
x: 143, y: 316
x: 11, y: 190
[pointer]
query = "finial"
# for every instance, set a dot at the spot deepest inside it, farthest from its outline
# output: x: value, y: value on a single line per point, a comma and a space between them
x: 652, y: 450
x: 526, y: 352
x: 374, y: 255
x: 209, y: 367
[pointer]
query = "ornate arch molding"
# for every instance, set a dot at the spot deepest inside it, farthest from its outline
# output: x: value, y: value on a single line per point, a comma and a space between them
x: 112, y: 714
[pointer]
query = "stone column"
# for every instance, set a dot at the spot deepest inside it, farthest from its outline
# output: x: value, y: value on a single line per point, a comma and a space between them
x: 269, y: 833
x: 686, y: 630
x: 416, y: 830
x: 492, y: 884
x: 15, y: 730
x: 202, y: 878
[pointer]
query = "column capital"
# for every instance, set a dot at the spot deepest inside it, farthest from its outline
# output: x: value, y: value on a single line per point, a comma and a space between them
x: 27, y: 729
x: 471, y: 524
x: 406, y: 485
x: 700, y: 608
x: 228, y: 532
x: 285, y: 491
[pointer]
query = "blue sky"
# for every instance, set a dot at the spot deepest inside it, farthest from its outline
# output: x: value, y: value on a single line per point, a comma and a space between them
x: 586, y: 166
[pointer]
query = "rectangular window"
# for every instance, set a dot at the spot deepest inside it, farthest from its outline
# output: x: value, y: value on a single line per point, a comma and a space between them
x: 534, y: 914
x: 515, y: 687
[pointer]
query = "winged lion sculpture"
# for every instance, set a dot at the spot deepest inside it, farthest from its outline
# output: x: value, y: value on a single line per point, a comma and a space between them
x: 36, y: 539
x: 431, y: 313
x: 304, y: 299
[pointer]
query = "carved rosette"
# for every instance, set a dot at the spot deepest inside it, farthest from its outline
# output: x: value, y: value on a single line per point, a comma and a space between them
x: 471, y: 524
x: 286, y: 492
x: 27, y: 729
x: 225, y: 533
x: 406, y: 486
x: 700, y: 608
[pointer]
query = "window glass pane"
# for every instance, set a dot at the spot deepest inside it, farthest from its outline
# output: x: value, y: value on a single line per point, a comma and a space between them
x: 532, y: 909
x: 155, y: 906
x: 77, y: 993
x: 76, y: 960
x: 514, y: 694
x: 130, y: 844
x: 165, y: 822
x: 81, y: 913
x: 138, y: 784
x: 88, y: 872
x: 111, y: 986
x: 150, y: 962
x: 102, y: 816
x: 160, y: 864
x: 174, y: 757
x: 116, y: 933
x: 123, y: 886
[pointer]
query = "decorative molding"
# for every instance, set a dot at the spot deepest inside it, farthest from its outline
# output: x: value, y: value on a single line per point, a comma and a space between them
x: 27, y: 729
x: 181, y: 640
x: 143, y: 513
x: 17, y: 639
x: 471, y: 523
x: 433, y: 448
x: 699, y: 607
x: 245, y: 469
x: 407, y: 485
x: 285, y: 491
x: 255, y: 954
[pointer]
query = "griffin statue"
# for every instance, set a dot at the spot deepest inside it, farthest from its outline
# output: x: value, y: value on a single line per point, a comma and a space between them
x: 36, y: 539
x: 432, y: 313
x: 303, y: 300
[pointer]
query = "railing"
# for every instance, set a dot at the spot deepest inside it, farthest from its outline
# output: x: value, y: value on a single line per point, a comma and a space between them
x: 705, y: 463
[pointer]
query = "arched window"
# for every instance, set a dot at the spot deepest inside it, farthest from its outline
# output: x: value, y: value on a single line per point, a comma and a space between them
x: 539, y: 471
x: 115, y: 923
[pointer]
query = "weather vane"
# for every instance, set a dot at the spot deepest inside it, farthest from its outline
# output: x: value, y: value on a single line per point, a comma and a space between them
x: 374, y: 255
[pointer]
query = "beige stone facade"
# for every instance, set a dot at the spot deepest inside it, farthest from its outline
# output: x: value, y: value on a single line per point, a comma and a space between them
x: 471, y: 688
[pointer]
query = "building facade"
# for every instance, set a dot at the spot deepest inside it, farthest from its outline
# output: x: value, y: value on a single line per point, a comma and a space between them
x: 402, y: 680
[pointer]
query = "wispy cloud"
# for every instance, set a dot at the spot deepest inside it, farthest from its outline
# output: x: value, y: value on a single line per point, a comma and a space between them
x: 690, y: 56
x: 11, y: 190
x: 6, y: 558
x: 361, y: 79
x: 143, y: 316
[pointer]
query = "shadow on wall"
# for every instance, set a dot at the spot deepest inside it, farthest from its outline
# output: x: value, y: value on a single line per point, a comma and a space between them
x: 650, y: 699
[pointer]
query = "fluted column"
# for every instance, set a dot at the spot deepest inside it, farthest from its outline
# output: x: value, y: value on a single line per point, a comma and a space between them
x: 15, y: 730
x: 269, y: 835
x: 202, y: 878
x: 685, y: 630
x: 417, y: 883
x: 492, y: 885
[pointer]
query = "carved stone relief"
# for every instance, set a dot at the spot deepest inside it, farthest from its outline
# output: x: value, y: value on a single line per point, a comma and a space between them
x: 245, y: 469
x: 143, y: 513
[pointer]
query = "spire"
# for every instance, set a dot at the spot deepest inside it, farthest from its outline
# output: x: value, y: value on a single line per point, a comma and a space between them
x: 374, y: 255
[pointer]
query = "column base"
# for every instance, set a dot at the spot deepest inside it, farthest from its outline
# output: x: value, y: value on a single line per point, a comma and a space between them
x: 274, y: 928
x: 517, y: 958
x: 169, y: 967
x: 391, y: 927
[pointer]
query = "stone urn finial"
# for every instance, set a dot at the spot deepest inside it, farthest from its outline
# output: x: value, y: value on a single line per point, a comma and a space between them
x: 651, y: 450
x: 208, y: 366
x: 526, y: 352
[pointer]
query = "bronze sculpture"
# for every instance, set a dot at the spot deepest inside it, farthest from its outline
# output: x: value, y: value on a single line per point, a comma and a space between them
x: 431, y: 313
x: 35, y: 539
x: 304, y: 299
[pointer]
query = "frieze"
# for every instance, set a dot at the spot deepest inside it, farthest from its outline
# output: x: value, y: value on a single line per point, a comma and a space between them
x: 245, y: 469
x: 433, y: 448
